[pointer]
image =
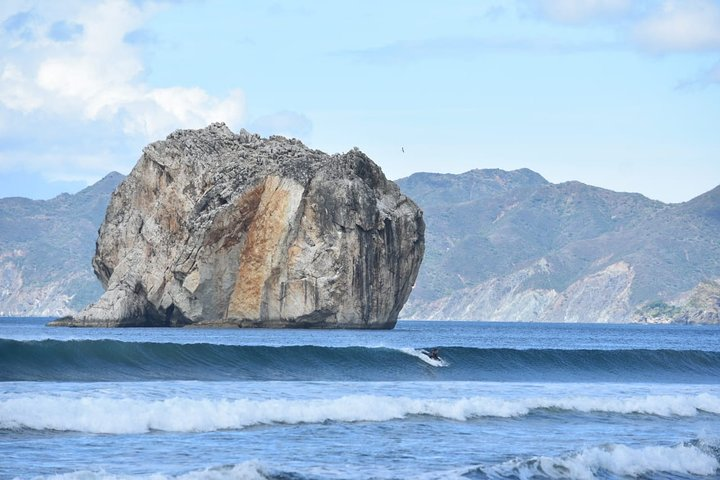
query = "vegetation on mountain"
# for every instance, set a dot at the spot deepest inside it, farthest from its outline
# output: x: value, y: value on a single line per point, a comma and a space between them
x: 46, y: 248
x: 512, y: 246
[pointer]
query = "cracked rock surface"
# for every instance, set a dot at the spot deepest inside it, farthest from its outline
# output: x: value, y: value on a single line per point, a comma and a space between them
x: 213, y: 228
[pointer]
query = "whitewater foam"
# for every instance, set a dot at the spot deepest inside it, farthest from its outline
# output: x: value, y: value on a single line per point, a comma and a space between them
x: 620, y: 460
x: 589, y: 464
x: 424, y: 356
x: 103, y: 414
x: 251, y: 470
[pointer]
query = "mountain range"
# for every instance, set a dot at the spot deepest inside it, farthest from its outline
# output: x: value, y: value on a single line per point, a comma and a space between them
x: 512, y: 246
x: 46, y: 248
x: 500, y: 246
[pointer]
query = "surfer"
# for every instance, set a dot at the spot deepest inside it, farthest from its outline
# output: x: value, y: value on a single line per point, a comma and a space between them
x: 434, y: 354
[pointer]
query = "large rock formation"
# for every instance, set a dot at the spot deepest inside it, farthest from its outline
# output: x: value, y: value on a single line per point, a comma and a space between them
x: 217, y: 229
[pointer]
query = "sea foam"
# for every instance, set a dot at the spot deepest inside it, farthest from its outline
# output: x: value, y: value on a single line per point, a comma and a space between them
x: 103, y: 414
x: 251, y: 470
x: 608, y: 461
x: 620, y: 460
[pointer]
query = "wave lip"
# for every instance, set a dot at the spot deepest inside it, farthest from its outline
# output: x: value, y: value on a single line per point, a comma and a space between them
x: 130, y: 416
x: 424, y: 356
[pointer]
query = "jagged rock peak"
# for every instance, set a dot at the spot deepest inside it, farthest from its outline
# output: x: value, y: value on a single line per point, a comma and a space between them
x: 222, y: 229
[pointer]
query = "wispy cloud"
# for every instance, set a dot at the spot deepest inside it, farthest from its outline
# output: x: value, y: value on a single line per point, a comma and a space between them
x: 470, y: 47
x: 680, y: 26
x: 494, y: 12
x: 580, y: 11
x: 704, y: 78
x: 141, y: 36
x: 657, y: 27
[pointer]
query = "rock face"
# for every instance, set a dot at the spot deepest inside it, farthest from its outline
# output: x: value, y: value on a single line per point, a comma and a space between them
x: 213, y: 228
x: 699, y: 305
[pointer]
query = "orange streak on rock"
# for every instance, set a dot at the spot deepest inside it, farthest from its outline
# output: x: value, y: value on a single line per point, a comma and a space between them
x: 265, y: 234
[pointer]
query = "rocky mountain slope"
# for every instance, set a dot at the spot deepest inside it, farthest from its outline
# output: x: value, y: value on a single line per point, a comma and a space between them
x: 511, y: 246
x: 46, y: 247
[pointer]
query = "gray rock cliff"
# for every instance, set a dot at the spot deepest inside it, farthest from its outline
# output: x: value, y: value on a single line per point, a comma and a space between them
x: 213, y: 228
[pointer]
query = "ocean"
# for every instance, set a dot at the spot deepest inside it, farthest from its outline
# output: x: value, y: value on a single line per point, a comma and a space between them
x: 505, y: 401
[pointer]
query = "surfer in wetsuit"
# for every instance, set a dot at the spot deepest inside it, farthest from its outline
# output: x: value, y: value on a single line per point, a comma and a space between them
x: 434, y: 354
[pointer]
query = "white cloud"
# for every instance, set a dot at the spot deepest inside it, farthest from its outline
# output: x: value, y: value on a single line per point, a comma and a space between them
x: 687, y: 25
x: 98, y: 78
x: 576, y: 11
x: 659, y: 26
x: 17, y: 93
x: 654, y: 26
x: 160, y: 109
x: 89, y: 81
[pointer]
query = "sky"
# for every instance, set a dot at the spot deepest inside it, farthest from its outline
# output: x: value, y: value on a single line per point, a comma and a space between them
x: 620, y: 94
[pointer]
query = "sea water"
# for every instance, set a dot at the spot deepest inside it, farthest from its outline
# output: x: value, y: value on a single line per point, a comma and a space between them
x: 504, y: 401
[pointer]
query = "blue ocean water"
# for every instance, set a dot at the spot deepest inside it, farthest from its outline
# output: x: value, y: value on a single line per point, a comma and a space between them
x: 525, y: 401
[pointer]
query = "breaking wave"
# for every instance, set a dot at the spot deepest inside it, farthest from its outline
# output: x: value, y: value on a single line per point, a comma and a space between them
x: 130, y: 416
x: 695, y: 458
x: 251, y: 470
x: 111, y: 360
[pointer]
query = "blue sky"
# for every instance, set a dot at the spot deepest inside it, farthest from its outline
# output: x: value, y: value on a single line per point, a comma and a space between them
x: 620, y: 94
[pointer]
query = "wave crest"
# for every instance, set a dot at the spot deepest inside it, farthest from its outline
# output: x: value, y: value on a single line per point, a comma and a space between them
x: 111, y: 360
x: 128, y: 415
